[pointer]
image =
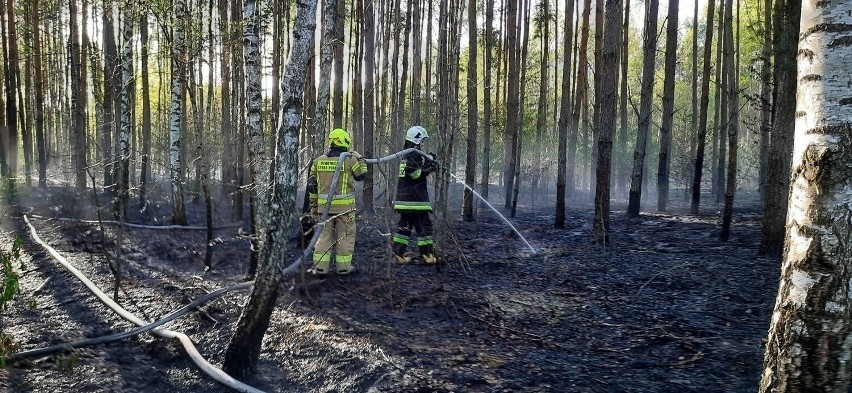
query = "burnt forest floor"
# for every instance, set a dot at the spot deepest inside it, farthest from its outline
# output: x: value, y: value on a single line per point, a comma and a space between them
x: 666, y: 307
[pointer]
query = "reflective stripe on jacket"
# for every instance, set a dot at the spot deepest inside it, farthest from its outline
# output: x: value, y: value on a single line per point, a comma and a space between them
x: 411, y: 191
x: 323, y: 169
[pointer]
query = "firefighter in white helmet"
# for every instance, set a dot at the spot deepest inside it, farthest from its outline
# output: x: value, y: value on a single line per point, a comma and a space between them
x: 338, y: 235
x: 412, y: 200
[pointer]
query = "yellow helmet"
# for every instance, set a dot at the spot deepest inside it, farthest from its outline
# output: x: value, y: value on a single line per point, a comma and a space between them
x: 339, y: 137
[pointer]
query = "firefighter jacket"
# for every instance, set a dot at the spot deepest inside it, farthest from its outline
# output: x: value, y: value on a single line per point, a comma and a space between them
x: 322, y: 173
x: 411, y: 192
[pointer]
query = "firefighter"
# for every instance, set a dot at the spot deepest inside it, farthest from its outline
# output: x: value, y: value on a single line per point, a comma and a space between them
x: 412, y: 200
x: 338, y: 235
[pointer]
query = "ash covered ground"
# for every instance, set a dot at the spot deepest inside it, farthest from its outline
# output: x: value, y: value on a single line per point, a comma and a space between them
x: 666, y: 307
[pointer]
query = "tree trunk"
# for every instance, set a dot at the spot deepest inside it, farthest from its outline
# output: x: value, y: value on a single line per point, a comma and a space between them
x: 764, y: 100
x: 596, y: 99
x: 369, y: 32
x: 717, y: 108
x: 667, y: 120
x: 564, y: 116
x: 648, y: 64
x: 702, y: 121
x: 692, y: 135
x: 580, y: 96
x: 722, y: 131
x: 229, y: 171
x: 417, y: 62
x: 523, y: 42
x: 512, y: 103
x: 39, y: 96
x: 78, y: 100
x: 145, y: 176
x: 486, y: 100
x: 609, y: 93
x: 621, y: 181
x: 112, y: 81
x: 788, y: 13
x: 541, y: 115
x: 14, y: 91
x: 176, y: 114
x: 809, y: 337
x: 277, y: 211
x: 126, y: 120
x: 733, y: 124
x: 26, y: 131
x: 337, y: 54
x: 472, y: 113
x: 325, y: 60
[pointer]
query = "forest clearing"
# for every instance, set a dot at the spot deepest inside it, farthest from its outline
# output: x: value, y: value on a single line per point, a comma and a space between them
x: 426, y: 195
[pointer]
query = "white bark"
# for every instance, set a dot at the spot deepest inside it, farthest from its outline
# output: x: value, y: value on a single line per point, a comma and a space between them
x: 125, y: 112
x: 176, y: 114
x: 810, y: 339
x: 254, y: 125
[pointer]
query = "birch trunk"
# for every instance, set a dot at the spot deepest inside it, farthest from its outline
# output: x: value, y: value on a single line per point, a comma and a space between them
x: 810, y: 336
x: 276, y: 191
x: 176, y: 113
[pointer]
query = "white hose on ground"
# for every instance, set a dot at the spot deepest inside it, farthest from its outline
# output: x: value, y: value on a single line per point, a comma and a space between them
x: 196, y: 357
x: 133, y: 332
x: 139, y: 226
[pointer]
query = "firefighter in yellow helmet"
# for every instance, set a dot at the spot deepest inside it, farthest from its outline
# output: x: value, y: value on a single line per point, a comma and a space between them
x: 338, y: 235
x: 412, y: 200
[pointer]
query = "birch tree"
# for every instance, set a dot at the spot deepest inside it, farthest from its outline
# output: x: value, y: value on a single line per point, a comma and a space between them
x: 176, y: 113
x: 275, y: 192
x: 126, y: 121
x: 810, y: 336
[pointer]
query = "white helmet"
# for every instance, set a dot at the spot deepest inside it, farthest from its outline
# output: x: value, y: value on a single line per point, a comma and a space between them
x: 416, y: 134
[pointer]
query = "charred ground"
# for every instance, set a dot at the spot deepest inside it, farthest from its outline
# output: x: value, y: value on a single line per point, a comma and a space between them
x: 666, y: 307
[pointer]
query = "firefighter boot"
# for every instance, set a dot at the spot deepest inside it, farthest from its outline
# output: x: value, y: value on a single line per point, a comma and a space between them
x: 399, y: 252
x: 344, y: 268
x: 320, y: 268
x: 428, y: 253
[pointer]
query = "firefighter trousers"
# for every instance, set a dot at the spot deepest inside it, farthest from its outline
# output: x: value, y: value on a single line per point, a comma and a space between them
x: 338, y: 238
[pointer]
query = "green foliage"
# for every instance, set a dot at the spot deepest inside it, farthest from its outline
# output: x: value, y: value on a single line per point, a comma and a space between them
x: 9, y: 286
x: 68, y: 362
x: 8, y: 346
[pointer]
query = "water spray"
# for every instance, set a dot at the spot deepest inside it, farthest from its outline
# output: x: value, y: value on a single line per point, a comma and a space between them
x: 395, y: 156
x: 495, y: 211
